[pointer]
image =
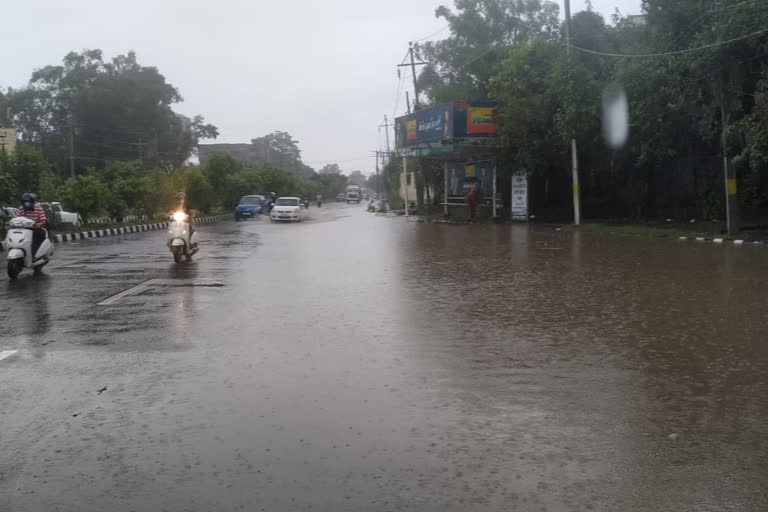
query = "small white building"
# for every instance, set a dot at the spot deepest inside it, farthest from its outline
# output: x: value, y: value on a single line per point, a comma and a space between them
x: 408, y: 191
x: 7, y: 140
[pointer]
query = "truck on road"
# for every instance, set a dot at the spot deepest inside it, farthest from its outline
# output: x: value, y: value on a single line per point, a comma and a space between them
x: 354, y: 194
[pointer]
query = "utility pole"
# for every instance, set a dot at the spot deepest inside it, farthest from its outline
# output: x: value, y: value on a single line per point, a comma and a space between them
x: 386, y: 126
x: 730, y: 178
x: 413, y: 65
x: 71, y: 144
x: 378, y: 193
x: 408, y: 101
x: 574, y: 154
x: 378, y: 179
x: 405, y: 184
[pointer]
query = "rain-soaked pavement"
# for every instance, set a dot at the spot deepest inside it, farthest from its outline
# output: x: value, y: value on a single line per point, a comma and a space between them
x: 357, y: 362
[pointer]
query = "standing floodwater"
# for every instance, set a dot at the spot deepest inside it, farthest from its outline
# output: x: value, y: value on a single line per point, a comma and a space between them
x: 356, y: 362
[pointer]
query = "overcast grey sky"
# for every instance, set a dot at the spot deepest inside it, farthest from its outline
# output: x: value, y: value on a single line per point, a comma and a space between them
x: 324, y: 71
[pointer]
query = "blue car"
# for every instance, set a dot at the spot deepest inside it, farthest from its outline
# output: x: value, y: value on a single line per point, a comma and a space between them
x: 249, y: 207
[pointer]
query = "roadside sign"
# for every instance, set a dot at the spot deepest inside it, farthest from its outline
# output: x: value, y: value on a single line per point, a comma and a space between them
x: 519, y: 197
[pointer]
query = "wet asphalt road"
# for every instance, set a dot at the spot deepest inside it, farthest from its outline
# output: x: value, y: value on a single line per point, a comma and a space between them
x: 356, y: 362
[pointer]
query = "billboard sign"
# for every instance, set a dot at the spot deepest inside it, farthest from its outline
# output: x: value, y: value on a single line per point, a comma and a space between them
x: 442, y: 123
x: 461, y: 176
x: 426, y: 126
x: 482, y: 120
x: 475, y: 120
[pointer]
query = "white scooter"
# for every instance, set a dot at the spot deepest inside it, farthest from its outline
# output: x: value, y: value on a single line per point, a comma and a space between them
x: 179, y: 241
x: 18, y: 243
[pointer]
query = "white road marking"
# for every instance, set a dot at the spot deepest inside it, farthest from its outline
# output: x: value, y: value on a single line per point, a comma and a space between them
x: 5, y: 354
x: 125, y: 293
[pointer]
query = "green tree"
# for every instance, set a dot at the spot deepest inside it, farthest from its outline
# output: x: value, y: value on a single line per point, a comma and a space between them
x: 220, y: 170
x: 248, y: 181
x: 330, y: 184
x: 7, y: 183
x: 161, y: 196
x: 4, y: 121
x: 198, y: 191
x: 27, y: 165
x: 356, y: 178
x: 112, y: 110
x: 47, y: 189
x: 330, y: 169
x: 133, y: 191
x: 85, y: 194
x: 481, y: 31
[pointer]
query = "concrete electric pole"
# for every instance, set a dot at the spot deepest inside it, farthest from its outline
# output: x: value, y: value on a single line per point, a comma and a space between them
x: 574, y: 154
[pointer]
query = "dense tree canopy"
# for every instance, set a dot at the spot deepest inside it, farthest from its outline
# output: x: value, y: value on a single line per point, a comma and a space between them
x: 104, y: 111
x: 692, y: 71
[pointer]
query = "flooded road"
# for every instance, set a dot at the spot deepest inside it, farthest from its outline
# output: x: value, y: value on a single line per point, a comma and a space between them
x: 357, y: 362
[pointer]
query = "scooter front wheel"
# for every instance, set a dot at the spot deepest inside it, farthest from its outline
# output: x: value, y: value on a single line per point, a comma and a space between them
x: 177, y: 252
x: 14, y: 267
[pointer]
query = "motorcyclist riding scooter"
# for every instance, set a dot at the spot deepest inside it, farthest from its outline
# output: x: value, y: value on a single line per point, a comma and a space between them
x: 182, y: 237
x: 26, y: 241
x: 31, y: 209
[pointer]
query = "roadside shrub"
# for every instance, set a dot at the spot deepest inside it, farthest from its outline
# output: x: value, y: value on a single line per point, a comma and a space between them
x: 116, y: 207
x: 199, y: 191
x: 85, y: 194
x: 130, y: 194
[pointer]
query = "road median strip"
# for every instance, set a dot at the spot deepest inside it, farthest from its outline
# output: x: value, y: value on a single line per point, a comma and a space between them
x: 136, y: 228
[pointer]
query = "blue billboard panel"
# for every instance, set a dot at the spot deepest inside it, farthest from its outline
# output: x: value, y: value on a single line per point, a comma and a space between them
x: 461, y: 176
x: 425, y: 126
x: 458, y: 120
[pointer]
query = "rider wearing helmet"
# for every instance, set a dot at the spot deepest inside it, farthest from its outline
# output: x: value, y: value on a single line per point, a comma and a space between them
x: 32, y: 210
x: 182, y: 206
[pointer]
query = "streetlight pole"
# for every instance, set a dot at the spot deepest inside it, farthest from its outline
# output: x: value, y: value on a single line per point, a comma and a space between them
x: 574, y: 154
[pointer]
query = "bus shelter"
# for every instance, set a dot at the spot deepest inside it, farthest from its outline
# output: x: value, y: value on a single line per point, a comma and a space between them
x: 463, y: 136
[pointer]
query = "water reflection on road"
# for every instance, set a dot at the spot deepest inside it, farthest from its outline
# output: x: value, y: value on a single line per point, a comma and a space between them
x: 357, y: 362
x: 632, y: 361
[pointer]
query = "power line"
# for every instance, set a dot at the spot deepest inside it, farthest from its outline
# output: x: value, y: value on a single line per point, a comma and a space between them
x: 431, y: 35
x: 476, y: 58
x: 703, y: 15
x: 734, y: 6
x: 674, y: 52
x: 399, y: 93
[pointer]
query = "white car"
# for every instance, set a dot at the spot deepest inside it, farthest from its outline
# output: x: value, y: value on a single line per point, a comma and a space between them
x: 9, y: 211
x: 288, y: 209
x: 65, y: 217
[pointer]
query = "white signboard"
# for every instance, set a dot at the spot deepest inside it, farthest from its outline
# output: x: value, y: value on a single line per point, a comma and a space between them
x: 520, y: 197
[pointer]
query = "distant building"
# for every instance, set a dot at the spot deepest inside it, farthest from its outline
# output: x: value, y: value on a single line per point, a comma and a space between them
x: 7, y: 140
x: 638, y: 20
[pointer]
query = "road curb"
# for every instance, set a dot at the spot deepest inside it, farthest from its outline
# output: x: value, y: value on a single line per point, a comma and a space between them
x: 722, y: 240
x: 137, y: 228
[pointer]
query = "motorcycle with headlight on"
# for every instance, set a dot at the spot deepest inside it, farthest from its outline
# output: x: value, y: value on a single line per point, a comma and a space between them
x: 181, y: 242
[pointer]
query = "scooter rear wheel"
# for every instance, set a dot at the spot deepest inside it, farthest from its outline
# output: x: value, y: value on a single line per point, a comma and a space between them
x: 14, y: 267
